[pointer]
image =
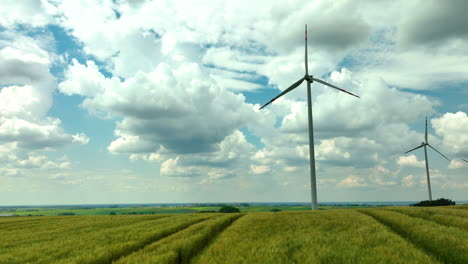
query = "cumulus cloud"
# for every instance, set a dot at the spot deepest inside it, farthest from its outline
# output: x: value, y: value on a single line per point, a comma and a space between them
x: 232, y: 156
x: 261, y: 169
x: 42, y: 162
x: 327, y: 149
x: 24, y: 107
x: 29, y: 12
x: 410, y: 161
x: 173, y: 107
x: 437, y: 21
x: 453, y: 128
x: 353, y: 181
x: 10, y: 172
x: 348, y: 131
x: 26, y: 96
x: 379, y: 104
x: 408, y: 181
x: 174, y: 82
x: 456, y: 164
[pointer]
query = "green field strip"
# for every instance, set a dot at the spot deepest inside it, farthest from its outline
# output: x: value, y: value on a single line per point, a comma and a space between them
x: 57, y: 222
x: 183, y: 245
x: 440, y: 216
x: 99, y: 246
x: 447, y: 244
x: 59, y: 227
x: 459, y: 207
x: 107, y: 211
x: 21, y: 222
x: 446, y: 211
x: 73, y: 227
x: 332, y: 236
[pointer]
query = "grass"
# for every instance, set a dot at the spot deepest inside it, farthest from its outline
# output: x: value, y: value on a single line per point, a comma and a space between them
x: 334, y: 236
x: 83, y: 239
x: 447, y: 244
x: 182, y: 246
x: 443, y: 216
x: 374, y: 235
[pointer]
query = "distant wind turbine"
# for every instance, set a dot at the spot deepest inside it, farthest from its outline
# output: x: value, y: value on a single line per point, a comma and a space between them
x: 424, y: 144
x: 309, y: 79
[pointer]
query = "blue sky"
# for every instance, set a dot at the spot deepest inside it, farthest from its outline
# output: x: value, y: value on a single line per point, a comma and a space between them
x: 157, y: 101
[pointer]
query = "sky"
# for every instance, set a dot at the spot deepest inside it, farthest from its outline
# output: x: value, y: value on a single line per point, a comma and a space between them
x: 158, y: 101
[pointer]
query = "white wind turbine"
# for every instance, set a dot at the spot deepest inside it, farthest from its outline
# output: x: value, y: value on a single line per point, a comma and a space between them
x: 424, y: 144
x: 309, y: 79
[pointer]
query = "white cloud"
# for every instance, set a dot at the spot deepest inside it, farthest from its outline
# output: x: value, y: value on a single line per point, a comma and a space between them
x: 453, y: 128
x: 174, y: 74
x: 408, y: 181
x: 80, y: 138
x: 456, y: 164
x: 26, y: 97
x: 328, y: 149
x: 88, y: 80
x: 353, y: 181
x: 175, y: 107
x: 29, y: 12
x: 132, y: 144
x: 261, y: 169
x: 46, y: 133
x: 410, y: 161
x: 10, y: 172
x: 235, y: 84
x: 42, y: 162
x: 232, y: 155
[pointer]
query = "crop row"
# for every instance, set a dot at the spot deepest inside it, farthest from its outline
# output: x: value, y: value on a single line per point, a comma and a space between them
x: 382, y: 235
x: 183, y: 245
x: 60, y: 227
x: 99, y: 243
x: 443, y: 216
x: 447, y: 244
x: 331, y: 236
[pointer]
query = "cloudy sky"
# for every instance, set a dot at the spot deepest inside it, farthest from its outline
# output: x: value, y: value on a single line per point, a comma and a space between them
x: 157, y: 101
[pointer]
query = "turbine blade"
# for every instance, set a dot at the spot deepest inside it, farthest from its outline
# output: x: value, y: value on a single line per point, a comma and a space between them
x: 333, y: 86
x: 414, y: 149
x: 306, y: 53
x: 438, y: 152
x: 465, y: 160
x: 426, y: 130
x: 293, y: 86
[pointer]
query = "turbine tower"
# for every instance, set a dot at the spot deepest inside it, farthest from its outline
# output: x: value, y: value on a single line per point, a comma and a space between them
x: 424, y: 144
x: 309, y: 79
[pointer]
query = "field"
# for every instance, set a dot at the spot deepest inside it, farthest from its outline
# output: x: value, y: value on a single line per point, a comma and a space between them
x: 372, y: 235
x: 64, y: 210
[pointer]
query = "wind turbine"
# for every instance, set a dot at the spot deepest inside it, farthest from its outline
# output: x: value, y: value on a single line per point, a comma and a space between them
x: 424, y: 144
x: 465, y: 160
x: 309, y: 79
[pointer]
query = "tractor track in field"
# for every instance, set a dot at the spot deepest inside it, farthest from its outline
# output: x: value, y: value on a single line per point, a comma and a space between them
x: 151, y: 241
x: 405, y: 236
x: 210, y: 241
x: 429, y: 219
x: 180, y: 259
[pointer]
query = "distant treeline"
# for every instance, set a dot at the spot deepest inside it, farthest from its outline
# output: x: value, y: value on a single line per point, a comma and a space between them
x: 438, y: 202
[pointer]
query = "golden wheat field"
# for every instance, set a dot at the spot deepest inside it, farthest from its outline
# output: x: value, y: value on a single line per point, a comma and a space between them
x: 373, y: 235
